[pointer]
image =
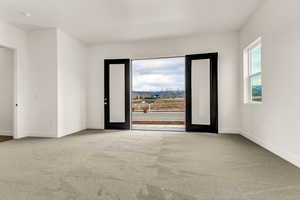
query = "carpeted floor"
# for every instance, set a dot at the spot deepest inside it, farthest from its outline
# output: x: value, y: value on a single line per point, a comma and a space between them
x: 144, y: 165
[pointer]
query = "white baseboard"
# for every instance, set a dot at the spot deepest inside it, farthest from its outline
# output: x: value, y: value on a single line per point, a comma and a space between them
x: 38, y: 134
x: 288, y: 156
x: 229, y: 131
x: 71, y: 132
x: 6, y: 133
x: 51, y: 134
x: 95, y: 127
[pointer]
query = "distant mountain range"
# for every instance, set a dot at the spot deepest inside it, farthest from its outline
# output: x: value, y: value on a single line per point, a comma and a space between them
x: 256, y: 91
x: 158, y: 94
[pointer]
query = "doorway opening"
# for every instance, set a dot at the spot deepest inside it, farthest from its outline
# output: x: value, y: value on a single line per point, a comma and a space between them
x: 7, y: 88
x: 176, y: 94
x: 158, y: 94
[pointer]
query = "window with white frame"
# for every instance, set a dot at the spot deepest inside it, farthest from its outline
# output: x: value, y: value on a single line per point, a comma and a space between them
x: 253, y: 72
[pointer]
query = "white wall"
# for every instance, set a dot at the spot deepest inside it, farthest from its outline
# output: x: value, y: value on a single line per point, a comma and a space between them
x: 51, y: 77
x: 227, y: 44
x: 17, y: 39
x: 6, y: 91
x: 58, y: 84
x: 274, y: 124
x: 72, y: 85
x: 42, y: 120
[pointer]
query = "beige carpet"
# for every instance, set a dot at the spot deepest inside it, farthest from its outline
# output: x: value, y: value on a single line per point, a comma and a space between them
x: 144, y: 165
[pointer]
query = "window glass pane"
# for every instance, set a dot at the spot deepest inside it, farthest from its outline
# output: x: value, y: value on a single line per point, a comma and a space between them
x: 255, y: 56
x: 256, y: 88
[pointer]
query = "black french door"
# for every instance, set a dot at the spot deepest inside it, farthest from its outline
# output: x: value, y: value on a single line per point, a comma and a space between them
x: 202, y: 92
x: 117, y: 93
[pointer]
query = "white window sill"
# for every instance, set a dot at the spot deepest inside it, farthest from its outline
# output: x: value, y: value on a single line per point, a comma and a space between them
x: 253, y: 103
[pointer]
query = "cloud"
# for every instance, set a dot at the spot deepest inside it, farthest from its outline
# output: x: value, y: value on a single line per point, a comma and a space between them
x: 158, y: 74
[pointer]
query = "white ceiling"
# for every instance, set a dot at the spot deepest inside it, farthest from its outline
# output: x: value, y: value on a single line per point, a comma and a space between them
x: 98, y: 21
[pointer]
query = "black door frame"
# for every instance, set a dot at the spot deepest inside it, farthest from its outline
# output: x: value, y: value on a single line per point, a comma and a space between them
x: 108, y: 124
x: 213, y: 127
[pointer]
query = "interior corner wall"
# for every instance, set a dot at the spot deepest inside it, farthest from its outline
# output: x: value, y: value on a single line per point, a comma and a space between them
x: 72, y: 84
x: 274, y: 124
x: 58, y: 84
x: 6, y: 91
x: 41, y: 121
x: 226, y: 44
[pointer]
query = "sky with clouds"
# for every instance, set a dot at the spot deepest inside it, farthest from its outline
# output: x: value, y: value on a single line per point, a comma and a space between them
x: 158, y: 74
